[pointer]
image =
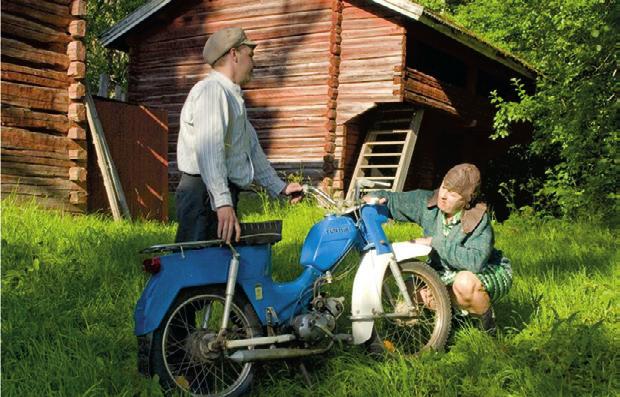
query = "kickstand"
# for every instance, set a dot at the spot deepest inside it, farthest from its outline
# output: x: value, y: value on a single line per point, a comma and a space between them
x: 305, y: 374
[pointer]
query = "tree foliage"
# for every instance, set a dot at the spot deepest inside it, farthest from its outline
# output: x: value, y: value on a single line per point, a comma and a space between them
x: 102, y: 15
x: 575, y: 107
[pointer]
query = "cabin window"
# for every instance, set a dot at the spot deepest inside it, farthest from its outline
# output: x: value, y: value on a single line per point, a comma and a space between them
x: 437, y: 63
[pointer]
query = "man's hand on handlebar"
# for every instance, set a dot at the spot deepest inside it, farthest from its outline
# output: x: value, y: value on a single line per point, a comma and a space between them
x: 372, y: 200
x: 295, y: 191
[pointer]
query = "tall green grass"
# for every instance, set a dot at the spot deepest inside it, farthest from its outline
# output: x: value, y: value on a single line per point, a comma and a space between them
x: 69, y: 285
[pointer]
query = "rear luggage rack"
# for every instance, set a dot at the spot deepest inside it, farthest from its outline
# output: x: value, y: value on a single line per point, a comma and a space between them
x: 252, y: 233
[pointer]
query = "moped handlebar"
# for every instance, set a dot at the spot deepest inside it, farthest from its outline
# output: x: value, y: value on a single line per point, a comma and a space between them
x: 359, y: 184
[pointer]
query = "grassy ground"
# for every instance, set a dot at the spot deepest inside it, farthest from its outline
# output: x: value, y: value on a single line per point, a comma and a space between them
x: 69, y: 285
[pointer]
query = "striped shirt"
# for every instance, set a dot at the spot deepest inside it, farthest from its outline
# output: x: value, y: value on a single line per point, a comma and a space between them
x: 217, y: 141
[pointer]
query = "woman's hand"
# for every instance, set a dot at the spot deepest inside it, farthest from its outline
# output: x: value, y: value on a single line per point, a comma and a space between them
x: 368, y: 199
x: 423, y: 240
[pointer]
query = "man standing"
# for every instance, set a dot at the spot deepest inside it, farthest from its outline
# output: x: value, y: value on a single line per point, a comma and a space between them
x: 218, y: 150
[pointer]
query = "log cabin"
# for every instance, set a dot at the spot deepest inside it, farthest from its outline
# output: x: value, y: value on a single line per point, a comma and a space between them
x: 43, y: 144
x: 342, y: 89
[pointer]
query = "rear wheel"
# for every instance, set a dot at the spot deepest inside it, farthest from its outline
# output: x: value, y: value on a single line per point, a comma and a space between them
x: 181, y: 355
x: 425, y: 327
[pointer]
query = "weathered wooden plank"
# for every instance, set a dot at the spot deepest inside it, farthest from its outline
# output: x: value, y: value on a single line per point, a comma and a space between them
x: 76, y: 51
x: 26, y: 118
x: 427, y: 90
x: 255, y: 32
x: 77, y: 28
x: 49, y: 7
x: 289, y: 122
x: 77, y: 112
x: 379, y: 86
x: 367, y: 24
x: 35, y: 190
x: 193, y: 23
x: 360, y: 51
x: 227, y: 10
x: 77, y: 70
x: 29, y: 157
x: 16, y: 138
x: 247, y: 20
x: 52, y: 183
x: 18, y: 168
x: 32, y: 76
x: 382, y: 65
x: 78, y: 8
x: 26, y: 29
x: 265, y: 59
x: 36, y: 10
x: 18, y: 50
x: 34, y: 97
x: 384, y: 31
x: 35, y: 153
x: 293, y: 133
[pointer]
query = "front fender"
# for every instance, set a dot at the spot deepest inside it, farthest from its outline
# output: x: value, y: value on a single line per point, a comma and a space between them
x: 366, y: 296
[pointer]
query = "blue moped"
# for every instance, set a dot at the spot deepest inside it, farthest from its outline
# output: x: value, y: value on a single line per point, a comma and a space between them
x: 210, y: 311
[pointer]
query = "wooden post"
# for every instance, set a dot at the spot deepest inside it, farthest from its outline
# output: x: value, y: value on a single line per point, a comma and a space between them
x: 111, y: 181
x: 104, y: 85
x: 119, y: 94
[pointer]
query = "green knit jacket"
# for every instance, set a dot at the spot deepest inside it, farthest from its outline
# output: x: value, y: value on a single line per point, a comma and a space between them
x: 456, y: 251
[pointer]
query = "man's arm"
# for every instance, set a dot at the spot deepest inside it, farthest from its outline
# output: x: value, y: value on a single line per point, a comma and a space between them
x: 264, y: 173
x: 211, y: 122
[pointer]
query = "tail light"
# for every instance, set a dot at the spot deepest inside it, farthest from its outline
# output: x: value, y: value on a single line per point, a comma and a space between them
x: 152, y: 265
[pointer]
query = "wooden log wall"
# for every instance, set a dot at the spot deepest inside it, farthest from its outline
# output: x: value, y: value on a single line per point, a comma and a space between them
x: 372, y: 57
x: 427, y: 91
x: 287, y: 97
x: 43, y: 116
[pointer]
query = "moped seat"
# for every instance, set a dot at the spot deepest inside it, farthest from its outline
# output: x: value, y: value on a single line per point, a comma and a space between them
x: 252, y: 233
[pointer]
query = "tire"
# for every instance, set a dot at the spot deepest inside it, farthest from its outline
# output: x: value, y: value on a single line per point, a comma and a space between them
x: 428, y: 328
x: 179, y: 358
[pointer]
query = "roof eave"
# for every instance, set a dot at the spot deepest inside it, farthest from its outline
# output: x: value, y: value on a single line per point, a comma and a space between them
x: 486, y: 49
x: 420, y: 14
x: 113, y: 37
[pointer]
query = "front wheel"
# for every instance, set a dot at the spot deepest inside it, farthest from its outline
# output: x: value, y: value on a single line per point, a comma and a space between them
x: 427, y: 326
x: 181, y: 355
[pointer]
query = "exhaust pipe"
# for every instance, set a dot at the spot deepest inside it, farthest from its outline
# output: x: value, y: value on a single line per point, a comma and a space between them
x: 243, y: 356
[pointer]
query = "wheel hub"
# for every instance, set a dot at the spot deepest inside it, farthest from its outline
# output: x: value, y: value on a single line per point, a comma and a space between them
x: 402, y: 309
x: 200, y: 347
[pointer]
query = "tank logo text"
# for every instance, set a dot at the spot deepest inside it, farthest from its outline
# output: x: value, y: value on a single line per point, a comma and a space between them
x: 332, y: 230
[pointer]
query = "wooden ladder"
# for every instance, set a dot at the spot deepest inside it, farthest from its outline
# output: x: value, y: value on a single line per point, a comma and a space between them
x: 386, y: 153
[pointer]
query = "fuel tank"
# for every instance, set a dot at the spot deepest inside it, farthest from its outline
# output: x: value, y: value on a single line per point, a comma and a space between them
x: 328, y: 241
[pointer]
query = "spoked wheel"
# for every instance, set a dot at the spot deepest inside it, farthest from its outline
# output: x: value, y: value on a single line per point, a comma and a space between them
x: 426, y: 326
x: 183, y: 356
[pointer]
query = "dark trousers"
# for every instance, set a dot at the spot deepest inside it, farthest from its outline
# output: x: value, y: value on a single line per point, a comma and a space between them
x: 197, y: 222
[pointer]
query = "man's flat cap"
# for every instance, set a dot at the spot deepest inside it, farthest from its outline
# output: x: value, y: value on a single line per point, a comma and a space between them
x: 222, y: 41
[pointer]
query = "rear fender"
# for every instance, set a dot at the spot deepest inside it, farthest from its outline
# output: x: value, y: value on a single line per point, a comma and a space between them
x: 192, y: 269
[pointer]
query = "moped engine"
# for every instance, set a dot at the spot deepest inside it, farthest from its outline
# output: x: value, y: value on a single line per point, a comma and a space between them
x: 321, y: 321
